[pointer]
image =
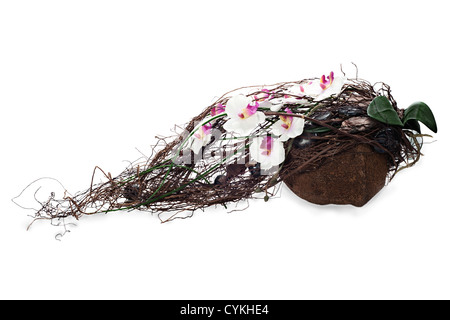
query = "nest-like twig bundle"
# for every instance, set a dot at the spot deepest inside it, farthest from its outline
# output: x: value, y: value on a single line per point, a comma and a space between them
x: 348, y: 124
x: 177, y: 180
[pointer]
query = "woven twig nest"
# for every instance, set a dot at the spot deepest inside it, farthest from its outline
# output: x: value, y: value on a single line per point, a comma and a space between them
x: 332, y: 140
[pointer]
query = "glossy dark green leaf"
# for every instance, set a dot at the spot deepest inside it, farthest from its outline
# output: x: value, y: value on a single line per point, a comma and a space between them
x: 382, y: 110
x: 412, y: 124
x: 421, y: 112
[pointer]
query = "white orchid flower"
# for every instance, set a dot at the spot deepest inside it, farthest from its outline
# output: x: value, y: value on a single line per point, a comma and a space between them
x: 263, y: 95
x: 269, y: 152
x: 243, y: 116
x: 324, y: 87
x: 218, y: 109
x: 288, y: 127
x: 201, y: 138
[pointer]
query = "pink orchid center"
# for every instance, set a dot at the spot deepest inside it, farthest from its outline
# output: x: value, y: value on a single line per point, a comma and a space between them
x: 203, y: 132
x: 267, y: 146
x: 249, y: 111
x: 220, y: 108
x: 263, y: 95
x: 287, y: 120
x: 326, y: 83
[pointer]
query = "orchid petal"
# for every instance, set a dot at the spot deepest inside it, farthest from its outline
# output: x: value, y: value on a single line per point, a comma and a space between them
x: 276, y: 107
x: 269, y: 152
x: 244, y: 117
x: 334, y: 89
x: 264, y: 95
x: 236, y: 104
x: 288, y: 127
x: 201, y: 138
x: 265, y: 105
x: 220, y: 108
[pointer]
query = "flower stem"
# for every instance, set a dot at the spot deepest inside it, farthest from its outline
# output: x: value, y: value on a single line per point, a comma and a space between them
x: 190, y: 182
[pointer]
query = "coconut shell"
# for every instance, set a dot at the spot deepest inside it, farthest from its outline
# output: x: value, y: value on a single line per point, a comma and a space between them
x: 351, y: 177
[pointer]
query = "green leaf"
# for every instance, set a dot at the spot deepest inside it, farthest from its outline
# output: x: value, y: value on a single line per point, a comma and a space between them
x: 421, y: 112
x: 382, y: 110
x: 413, y: 124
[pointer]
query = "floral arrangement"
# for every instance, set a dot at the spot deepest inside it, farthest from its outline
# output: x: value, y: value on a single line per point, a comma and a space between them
x: 251, y: 139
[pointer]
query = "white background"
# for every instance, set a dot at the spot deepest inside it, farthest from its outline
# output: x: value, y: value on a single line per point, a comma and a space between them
x: 86, y: 83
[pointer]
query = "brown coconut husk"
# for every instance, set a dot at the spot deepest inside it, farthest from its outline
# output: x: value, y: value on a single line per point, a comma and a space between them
x: 350, y: 177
